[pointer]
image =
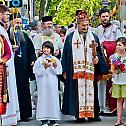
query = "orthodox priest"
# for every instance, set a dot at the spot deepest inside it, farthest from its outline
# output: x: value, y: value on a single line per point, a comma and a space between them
x: 107, y: 33
x: 81, y: 61
x: 48, y: 34
x: 24, y: 57
x: 5, y: 55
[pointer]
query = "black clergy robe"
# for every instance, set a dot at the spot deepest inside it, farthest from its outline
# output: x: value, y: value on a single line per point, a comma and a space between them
x: 23, y: 71
x: 70, y: 99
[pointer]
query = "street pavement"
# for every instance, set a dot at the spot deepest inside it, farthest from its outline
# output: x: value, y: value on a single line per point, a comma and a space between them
x: 69, y: 121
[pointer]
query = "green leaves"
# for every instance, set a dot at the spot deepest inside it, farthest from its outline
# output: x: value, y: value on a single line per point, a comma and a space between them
x: 65, y: 14
x: 64, y: 11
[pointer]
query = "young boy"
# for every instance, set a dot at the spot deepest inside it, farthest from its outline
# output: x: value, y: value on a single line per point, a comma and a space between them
x: 46, y: 69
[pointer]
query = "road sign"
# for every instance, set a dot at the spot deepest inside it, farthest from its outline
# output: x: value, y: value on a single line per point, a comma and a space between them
x: 13, y: 3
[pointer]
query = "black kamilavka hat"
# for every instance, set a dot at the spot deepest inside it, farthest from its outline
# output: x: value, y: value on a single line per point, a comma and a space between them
x: 46, y: 18
x: 14, y: 16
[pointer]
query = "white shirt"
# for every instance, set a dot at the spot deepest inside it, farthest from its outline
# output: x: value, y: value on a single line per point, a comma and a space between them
x: 119, y: 78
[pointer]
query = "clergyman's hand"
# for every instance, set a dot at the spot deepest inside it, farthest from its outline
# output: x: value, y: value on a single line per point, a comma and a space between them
x: 15, y: 47
x: 64, y: 75
x: 32, y: 63
x: 1, y: 61
x: 95, y: 60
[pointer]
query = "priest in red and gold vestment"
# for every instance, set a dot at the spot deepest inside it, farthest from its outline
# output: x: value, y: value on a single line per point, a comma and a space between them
x: 5, y: 55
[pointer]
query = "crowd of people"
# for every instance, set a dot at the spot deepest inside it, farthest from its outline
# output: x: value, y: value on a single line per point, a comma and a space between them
x: 89, y: 62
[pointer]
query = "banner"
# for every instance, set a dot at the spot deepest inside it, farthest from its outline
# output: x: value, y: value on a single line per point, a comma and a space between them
x: 122, y: 9
x: 113, y: 11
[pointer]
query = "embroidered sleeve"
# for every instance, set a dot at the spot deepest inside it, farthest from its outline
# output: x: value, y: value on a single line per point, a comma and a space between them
x: 7, y: 52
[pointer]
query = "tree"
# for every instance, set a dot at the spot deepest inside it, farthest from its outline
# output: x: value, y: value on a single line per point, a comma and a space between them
x: 63, y: 11
x: 43, y: 7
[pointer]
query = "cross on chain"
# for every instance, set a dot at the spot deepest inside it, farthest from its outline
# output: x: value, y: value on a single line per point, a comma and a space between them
x: 77, y: 43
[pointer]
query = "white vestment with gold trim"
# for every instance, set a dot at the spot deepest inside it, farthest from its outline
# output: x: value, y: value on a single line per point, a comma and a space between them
x: 84, y: 72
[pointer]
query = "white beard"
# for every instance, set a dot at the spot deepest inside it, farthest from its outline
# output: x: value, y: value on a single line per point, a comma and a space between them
x: 48, y: 32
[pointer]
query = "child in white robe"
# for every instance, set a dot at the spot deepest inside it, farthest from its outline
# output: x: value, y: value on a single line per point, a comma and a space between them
x: 46, y: 69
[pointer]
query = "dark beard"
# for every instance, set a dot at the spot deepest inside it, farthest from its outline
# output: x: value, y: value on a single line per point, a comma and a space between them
x: 106, y: 25
x: 83, y: 33
x: 11, y: 36
x: 48, y: 32
x: 21, y: 37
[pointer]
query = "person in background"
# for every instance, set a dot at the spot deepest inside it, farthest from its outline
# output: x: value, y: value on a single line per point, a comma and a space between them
x: 48, y: 34
x: 24, y: 58
x: 6, y: 23
x: 5, y: 55
x: 27, y: 29
x: 33, y: 33
x: 57, y: 28
x: 107, y: 34
x: 63, y: 33
x: 71, y: 28
x: 12, y: 114
x: 116, y: 22
x: 34, y: 28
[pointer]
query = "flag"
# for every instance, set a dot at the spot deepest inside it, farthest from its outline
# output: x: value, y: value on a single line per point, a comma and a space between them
x: 113, y: 11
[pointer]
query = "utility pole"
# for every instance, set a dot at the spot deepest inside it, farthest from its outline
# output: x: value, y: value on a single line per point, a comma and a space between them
x: 122, y: 13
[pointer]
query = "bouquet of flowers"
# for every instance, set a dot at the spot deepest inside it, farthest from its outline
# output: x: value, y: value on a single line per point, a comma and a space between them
x: 49, y: 60
x: 117, y: 65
